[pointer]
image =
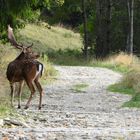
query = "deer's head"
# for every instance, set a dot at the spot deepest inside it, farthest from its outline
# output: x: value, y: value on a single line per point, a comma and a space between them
x: 26, y: 50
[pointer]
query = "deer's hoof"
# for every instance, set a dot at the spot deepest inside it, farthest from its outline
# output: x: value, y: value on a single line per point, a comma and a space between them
x: 39, y: 108
x: 19, y: 107
x: 26, y: 107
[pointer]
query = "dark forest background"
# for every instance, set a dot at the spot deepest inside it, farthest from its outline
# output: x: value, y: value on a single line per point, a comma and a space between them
x: 107, y: 26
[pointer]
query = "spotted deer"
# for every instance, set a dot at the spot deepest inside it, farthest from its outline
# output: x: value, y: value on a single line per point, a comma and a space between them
x: 24, y: 68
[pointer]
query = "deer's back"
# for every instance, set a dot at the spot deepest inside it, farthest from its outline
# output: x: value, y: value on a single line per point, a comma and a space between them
x: 21, y: 70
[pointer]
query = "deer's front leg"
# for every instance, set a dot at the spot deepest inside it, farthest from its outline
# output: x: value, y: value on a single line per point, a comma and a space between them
x: 19, y: 93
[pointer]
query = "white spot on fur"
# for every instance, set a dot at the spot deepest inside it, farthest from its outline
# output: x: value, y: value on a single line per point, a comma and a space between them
x: 39, y: 70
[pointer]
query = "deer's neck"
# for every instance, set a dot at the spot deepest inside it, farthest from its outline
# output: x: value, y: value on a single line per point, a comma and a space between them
x: 21, y: 56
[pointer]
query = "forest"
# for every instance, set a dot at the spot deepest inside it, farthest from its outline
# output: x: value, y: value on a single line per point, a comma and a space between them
x: 69, y: 69
x: 107, y: 26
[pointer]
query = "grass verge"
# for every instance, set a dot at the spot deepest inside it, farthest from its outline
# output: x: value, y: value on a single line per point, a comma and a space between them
x: 78, y: 88
x: 125, y: 88
x: 118, y: 88
x: 5, y: 108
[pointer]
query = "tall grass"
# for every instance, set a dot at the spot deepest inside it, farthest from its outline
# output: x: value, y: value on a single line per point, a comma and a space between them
x: 5, y: 57
x: 120, y: 62
x: 45, y: 39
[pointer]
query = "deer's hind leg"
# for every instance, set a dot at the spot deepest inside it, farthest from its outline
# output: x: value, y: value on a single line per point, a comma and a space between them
x: 12, y: 86
x: 32, y: 89
x: 39, y: 87
x: 21, y: 83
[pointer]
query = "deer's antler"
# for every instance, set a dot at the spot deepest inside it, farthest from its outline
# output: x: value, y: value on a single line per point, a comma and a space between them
x: 12, y: 39
x: 30, y: 46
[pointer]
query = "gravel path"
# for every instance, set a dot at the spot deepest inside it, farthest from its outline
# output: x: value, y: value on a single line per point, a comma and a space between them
x: 89, y: 113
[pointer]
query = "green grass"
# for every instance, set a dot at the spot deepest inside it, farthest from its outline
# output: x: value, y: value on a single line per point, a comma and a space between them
x: 114, y: 67
x: 4, y: 111
x: 78, y: 88
x: 119, y: 88
x: 75, y: 58
x: 134, y: 102
x: 62, y: 46
x: 5, y: 108
x: 47, y: 40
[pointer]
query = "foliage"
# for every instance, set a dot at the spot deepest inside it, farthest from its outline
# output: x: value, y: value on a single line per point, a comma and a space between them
x: 12, y: 11
x: 70, y: 14
x: 16, y: 12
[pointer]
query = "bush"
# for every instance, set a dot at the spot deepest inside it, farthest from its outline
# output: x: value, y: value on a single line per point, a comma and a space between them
x: 132, y: 80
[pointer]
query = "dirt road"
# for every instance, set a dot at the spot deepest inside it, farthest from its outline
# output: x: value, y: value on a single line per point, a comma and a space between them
x: 77, y: 106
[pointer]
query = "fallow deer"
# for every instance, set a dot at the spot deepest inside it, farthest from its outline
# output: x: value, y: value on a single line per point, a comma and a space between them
x: 24, y: 68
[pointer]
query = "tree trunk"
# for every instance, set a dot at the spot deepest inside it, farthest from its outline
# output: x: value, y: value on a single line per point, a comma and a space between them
x: 85, y: 50
x: 128, y: 33
x: 108, y: 31
x: 129, y: 43
x: 131, y: 25
x: 99, y: 40
x: 103, y: 28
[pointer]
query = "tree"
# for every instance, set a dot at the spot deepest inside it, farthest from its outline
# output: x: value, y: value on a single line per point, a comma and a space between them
x: 85, y: 50
x: 103, y: 23
x: 15, y: 12
x: 70, y: 13
x: 130, y: 7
